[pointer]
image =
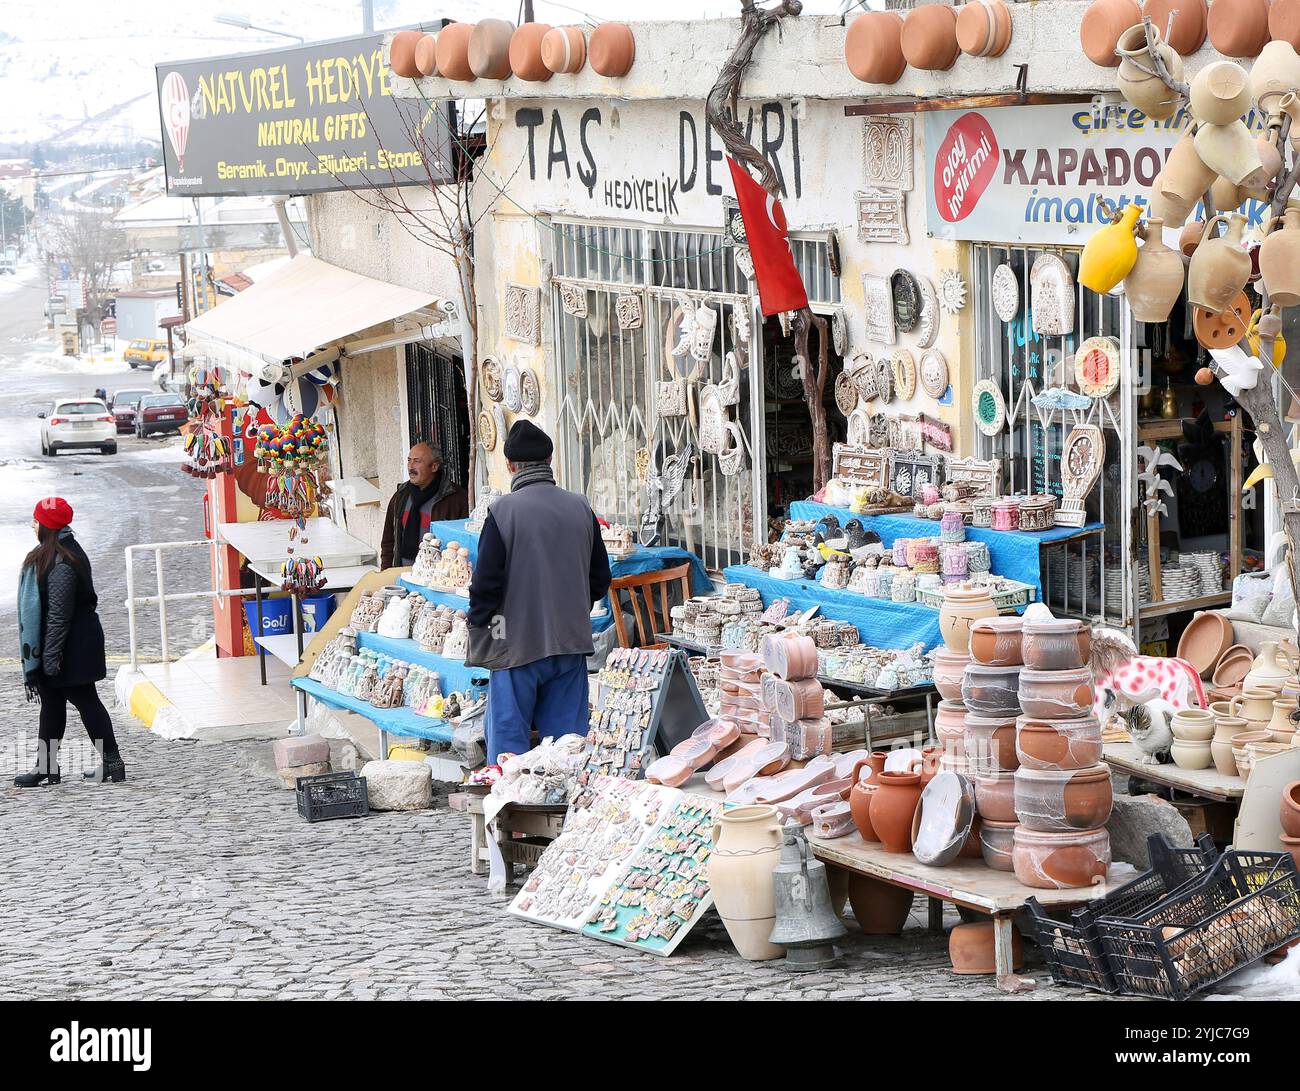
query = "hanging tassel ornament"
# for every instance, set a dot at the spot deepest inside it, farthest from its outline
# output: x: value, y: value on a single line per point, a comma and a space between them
x: 207, y: 451
x: 291, y: 454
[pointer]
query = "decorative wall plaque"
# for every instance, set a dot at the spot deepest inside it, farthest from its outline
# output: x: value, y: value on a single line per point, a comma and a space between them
x: 952, y: 291
x: 744, y: 261
x: 887, y: 152
x: 573, y: 299
x: 630, y: 316
x: 846, y: 394
x: 878, y: 310
x: 905, y: 433
x: 934, y: 373
x: 909, y: 472
x: 492, y: 378
x: 530, y: 393
x: 989, y: 407
x: 839, y: 332
x: 859, y: 464
x: 882, y: 216
x: 1082, y: 458
x: 927, y: 326
x: 1006, y: 292
x: 904, y: 367
x: 1052, y: 296
x: 983, y: 476
x: 523, y: 314
x: 937, y: 434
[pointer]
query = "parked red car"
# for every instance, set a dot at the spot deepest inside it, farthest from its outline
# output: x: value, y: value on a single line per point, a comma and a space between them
x: 159, y: 413
x: 123, y: 407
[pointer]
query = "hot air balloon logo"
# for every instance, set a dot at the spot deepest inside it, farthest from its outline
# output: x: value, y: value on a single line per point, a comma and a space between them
x: 176, y: 114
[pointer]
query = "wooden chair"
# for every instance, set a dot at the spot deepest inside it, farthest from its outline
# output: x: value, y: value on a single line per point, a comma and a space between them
x: 643, y: 586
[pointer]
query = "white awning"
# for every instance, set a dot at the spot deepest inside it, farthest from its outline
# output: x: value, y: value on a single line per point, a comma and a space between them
x: 300, y: 307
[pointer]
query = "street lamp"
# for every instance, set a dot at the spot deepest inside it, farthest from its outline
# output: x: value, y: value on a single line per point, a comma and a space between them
x: 233, y: 19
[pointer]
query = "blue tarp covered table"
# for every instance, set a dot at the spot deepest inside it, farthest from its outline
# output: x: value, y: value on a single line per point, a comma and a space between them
x: 599, y: 622
x: 1013, y: 553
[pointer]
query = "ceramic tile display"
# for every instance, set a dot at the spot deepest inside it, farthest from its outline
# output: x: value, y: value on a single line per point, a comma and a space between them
x: 887, y: 153
x: 882, y: 216
x: 878, y: 308
x: 511, y: 392
x: 523, y: 314
x: 487, y: 431
x: 860, y: 465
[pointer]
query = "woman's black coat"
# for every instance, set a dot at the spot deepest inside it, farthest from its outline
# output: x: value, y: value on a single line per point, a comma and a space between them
x: 73, y: 639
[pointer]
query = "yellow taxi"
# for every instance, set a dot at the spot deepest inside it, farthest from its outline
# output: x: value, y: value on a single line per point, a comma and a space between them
x: 145, y: 352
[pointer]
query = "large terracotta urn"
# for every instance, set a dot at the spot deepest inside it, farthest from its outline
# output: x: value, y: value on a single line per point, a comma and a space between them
x: 962, y: 605
x: 929, y: 37
x: 612, y: 49
x: 984, y: 28
x: 564, y: 50
x: 1220, y: 267
x: 1275, y: 72
x: 1136, y: 77
x: 1238, y: 28
x: 892, y: 808
x: 746, y: 849
x: 1110, y: 252
x: 1156, y: 280
x: 401, y: 54
x: 1189, y: 29
x: 1220, y: 93
x: 453, y: 52
x: 1102, y: 25
x: 489, y: 49
x: 873, y: 47
x: 1279, y: 260
x: 526, y: 53
x: 880, y: 908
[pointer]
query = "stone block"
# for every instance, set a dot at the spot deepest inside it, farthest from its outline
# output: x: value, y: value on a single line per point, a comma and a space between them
x: 1135, y: 818
x: 398, y: 785
x: 300, y: 750
x: 290, y: 775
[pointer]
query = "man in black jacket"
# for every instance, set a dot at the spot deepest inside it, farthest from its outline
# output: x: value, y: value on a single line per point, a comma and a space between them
x: 541, y: 564
x: 428, y: 496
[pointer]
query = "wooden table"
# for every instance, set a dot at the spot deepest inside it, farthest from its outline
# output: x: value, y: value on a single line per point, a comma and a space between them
x: 1203, y: 783
x: 532, y: 820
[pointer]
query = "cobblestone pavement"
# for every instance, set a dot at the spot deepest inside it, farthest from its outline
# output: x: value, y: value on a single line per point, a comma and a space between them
x: 197, y: 879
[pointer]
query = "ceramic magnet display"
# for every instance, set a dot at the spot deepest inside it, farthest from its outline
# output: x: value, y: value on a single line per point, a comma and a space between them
x: 929, y: 38
x: 1096, y: 366
x: 526, y: 53
x: 1103, y: 23
x: 452, y: 51
x: 612, y: 49
x: 1006, y: 293
x: 489, y: 49
x: 401, y: 54
x: 564, y: 49
x: 989, y: 407
x: 984, y: 28
x: 873, y: 48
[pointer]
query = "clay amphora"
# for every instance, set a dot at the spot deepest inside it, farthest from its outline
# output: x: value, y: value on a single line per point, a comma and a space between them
x: 1156, y: 281
x: 1275, y: 72
x: 1144, y: 89
x: 1279, y: 260
x: 746, y: 849
x: 1184, y: 178
x: 1220, y: 93
x: 1229, y: 150
x: 1220, y: 267
x: 892, y: 808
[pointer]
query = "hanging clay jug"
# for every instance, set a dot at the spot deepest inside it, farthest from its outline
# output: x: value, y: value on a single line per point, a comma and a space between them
x: 426, y: 55
x: 746, y: 849
x: 453, y: 51
x: 1275, y: 72
x: 1229, y: 150
x: 1190, y: 236
x: 1226, y: 196
x: 489, y: 49
x: 873, y: 48
x: 984, y: 28
x: 1289, y: 104
x: 929, y: 37
x: 1279, y: 260
x: 1185, y: 178
x: 526, y: 53
x: 1271, y: 668
x: 1238, y: 28
x: 1220, y: 93
x: 1189, y: 28
x: 1172, y: 211
x: 1102, y: 25
x: 1156, y: 280
x: 564, y: 49
x: 1136, y: 79
x: 612, y: 49
x: 1109, y: 255
x: 892, y: 808
x: 1220, y: 267
x: 401, y: 54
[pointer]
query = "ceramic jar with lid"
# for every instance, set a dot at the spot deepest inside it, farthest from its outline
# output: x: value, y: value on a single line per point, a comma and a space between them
x: 949, y: 666
x: 981, y: 510
x: 963, y: 604
x: 991, y: 691
x: 1058, y: 744
x: 1037, y: 513
x: 952, y: 528
x: 1055, y: 644
x: 1006, y: 514
x: 1062, y: 860
x: 997, y: 842
x: 1063, y: 799
x: 1056, y: 695
x: 995, y: 641
x: 995, y: 796
x: 990, y: 743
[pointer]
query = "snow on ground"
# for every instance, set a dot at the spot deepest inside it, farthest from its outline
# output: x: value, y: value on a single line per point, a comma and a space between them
x: 1264, y: 982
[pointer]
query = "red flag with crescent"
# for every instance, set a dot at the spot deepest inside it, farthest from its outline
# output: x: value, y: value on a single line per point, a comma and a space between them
x: 780, y: 288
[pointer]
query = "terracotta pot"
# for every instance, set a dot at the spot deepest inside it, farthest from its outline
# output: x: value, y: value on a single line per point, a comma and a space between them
x: 962, y: 605
x: 991, y: 691
x: 1227, y: 197
x: 1058, y: 744
x: 564, y: 49
x: 990, y: 743
x: 1279, y: 261
x: 612, y: 49
x: 1103, y: 23
x: 1238, y: 28
x: 892, y: 808
x: 1190, y: 236
x: 1280, y: 725
x: 1220, y: 267
x: 995, y: 641
x: 1191, y: 755
x: 930, y: 768
x: 1290, y: 809
x: 873, y: 48
x: 1156, y: 280
x: 1192, y: 725
x: 971, y: 949
x: 874, y: 764
x: 401, y: 54
x: 1284, y: 25
x: 1136, y: 79
x: 1057, y: 861
x: 526, y: 53
x: 997, y: 841
x: 881, y: 908
x: 1184, y: 178
x: 837, y: 882
x: 929, y: 37
x: 1110, y: 253
x: 1189, y: 29
x: 452, y: 52
x: 1220, y: 93
x: 746, y: 849
x: 1059, y: 695
x: 1229, y: 150
x: 1256, y: 708
x: 1226, y: 728
x: 1054, y: 644
x: 984, y: 28
x: 970, y: 848
x: 489, y: 49
x: 950, y: 722
x: 1050, y: 799
x: 995, y: 796
x: 1291, y: 844
x: 1277, y: 69
x: 426, y: 55
x: 948, y: 669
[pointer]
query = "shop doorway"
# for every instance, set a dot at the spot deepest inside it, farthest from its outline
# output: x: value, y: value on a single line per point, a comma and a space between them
x: 437, y: 407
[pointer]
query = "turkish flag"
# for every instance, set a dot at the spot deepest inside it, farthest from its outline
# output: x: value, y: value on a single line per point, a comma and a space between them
x: 780, y: 288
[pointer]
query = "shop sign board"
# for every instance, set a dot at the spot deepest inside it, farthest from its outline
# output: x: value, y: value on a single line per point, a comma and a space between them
x: 1038, y: 174
x: 306, y: 119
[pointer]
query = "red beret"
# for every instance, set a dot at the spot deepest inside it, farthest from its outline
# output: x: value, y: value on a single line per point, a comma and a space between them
x: 53, y: 512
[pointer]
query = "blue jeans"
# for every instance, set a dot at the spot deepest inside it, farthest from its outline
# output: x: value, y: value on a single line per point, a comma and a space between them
x: 550, y: 695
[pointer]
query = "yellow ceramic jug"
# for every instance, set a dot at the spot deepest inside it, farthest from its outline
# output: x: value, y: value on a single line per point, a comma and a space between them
x: 1109, y: 256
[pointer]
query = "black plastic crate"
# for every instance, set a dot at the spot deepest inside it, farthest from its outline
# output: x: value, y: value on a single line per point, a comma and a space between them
x: 1072, y: 948
x: 332, y: 795
x: 1244, y: 907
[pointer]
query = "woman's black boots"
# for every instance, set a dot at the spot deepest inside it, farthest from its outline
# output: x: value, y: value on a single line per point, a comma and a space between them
x: 47, y: 767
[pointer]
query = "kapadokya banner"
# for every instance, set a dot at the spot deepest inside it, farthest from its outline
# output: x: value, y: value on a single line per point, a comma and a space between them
x: 1039, y: 174
x: 300, y: 120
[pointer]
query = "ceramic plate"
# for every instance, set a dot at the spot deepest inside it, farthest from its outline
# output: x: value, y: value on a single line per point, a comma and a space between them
x: 904, y: 368
x: 1096, y: 366
x: 1006, y: 293
x: 907, y: 300
x: 989, y: 406
x: 846, y: 394
x: 492, y: 378
x: 934, y: 373
x: 530, y: 394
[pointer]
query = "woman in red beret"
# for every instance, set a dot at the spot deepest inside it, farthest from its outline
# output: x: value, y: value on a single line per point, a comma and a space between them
x: 62, y: 645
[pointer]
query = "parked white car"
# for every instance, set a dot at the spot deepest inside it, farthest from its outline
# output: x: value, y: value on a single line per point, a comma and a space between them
x: 78, y: 422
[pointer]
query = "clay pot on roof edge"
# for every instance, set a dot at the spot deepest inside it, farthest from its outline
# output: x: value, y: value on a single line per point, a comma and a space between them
x: 984, y: 28
x: 873, y: 47
x: 452, y: 52
x: 929, y: 37
x: 1239, y: 28
x: 1190, y: 24
x: 1103, y: 23
x: 401, y: 54
x: 1284, y: 22
x: 612, y: 49
x: 426, y: 55
x: 564, y: 50
x: 489, y: 49
x: 526, y: 53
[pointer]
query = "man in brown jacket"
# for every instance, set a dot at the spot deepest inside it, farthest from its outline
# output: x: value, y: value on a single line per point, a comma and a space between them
x: 428, y: 496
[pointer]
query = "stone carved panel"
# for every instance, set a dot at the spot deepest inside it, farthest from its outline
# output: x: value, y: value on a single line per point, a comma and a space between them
x: 882, y: 216
x: 887, y: 152
x: 523, y: 314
